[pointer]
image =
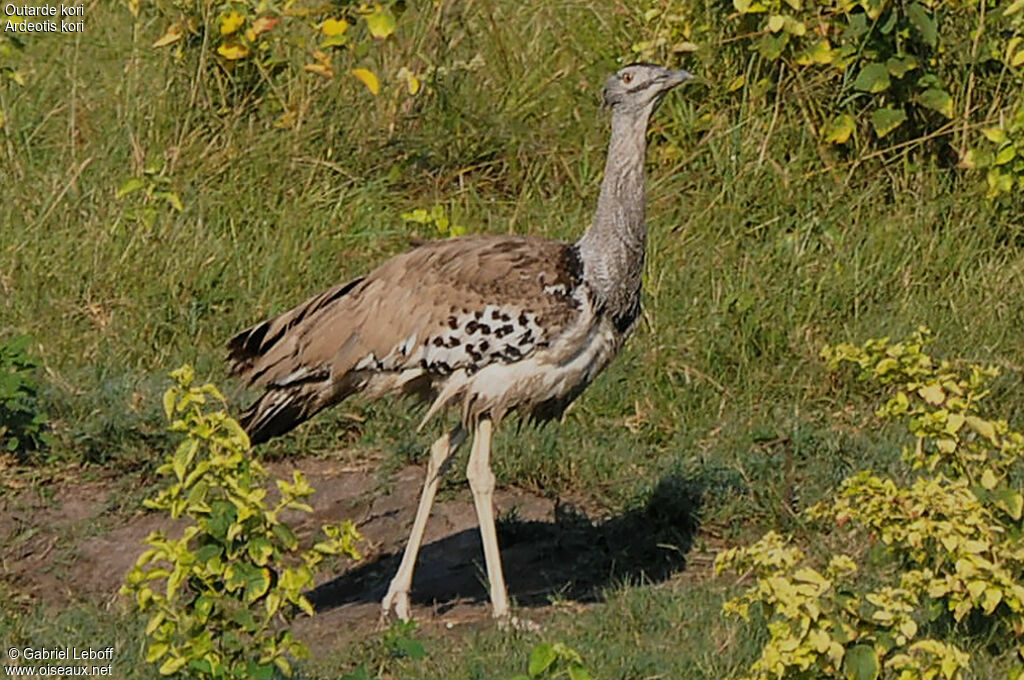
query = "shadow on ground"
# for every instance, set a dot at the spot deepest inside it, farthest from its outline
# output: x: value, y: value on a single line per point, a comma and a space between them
x: 571, y: 558
x: 67, y: 545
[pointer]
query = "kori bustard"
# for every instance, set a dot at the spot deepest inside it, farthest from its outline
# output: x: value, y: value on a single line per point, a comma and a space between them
x: 492, y: 324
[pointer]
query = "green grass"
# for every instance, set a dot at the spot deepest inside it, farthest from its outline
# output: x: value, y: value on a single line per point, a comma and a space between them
x: 757, y: 258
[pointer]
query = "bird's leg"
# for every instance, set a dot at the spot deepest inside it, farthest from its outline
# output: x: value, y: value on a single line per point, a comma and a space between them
x: 397, y: 597
x: 481, y: 481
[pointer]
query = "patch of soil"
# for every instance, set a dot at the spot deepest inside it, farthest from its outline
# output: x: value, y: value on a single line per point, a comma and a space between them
x: 68, y: 547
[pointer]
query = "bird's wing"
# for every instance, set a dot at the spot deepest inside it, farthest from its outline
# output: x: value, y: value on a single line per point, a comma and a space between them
x: 447, y: 305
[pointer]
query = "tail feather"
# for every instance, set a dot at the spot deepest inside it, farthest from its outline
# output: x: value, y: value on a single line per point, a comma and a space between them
x: 284, y: 406
x: 296, y: 387
x: 249, y: 349
x: 277, y: 411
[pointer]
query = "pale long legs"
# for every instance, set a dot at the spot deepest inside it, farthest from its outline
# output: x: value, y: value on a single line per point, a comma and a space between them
x: 481, y: 481
x: 398, y: 593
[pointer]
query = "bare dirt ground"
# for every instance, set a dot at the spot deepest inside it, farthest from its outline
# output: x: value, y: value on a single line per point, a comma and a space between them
x: 69, y: 541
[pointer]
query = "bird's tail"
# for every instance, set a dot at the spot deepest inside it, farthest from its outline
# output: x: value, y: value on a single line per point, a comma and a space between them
x: 263, y: 354
x: 269, y: 355
x: 279, y: 410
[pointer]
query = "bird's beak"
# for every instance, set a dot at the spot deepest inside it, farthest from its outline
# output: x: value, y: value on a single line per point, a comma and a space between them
x: 674, y: 78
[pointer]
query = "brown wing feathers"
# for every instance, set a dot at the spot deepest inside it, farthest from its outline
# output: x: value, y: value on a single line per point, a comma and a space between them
x: 251, y: 351
x: 445, y: 306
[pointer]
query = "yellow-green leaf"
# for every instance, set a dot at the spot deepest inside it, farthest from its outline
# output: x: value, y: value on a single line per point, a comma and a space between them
x: 874, y: 77
x: 983, y: 427
x: 989, y: 479
x: 794, y: 27
x: 819, y: 53
x: 749, y: 6
x: 231, y: 22
x: 861, y: 663
x: 335, y: 41
x: 991, y: 599
x: 541, y: 658
x: 933, y: 394
x: 332, y: 27
x: 898, y: 67
x: 974, y: 546
x: 172, y: 665
x: 937, y: 100
x: 819, y: 640
x: 153, y: 624
x: 776, y: 22
x: 1005, y: 155
x: 924, y: 22
x: 994, y: 134
x: 171, y: 198
x: 381, y: 23
x: 1011, y: 502
x: 169, y: 402
x: 808, y: 575
x: 129, y: 186
x: 998, y: 183
x: 283, y: 664
x: 838, y: 131
x: 233, y: 52
x: 156, y: 650
x: 736, y: 83
x: 368, y: 78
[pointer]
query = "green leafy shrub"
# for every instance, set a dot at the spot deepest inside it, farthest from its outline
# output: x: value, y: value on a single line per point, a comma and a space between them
x: 893, y: 62
x: 23, y: 422
x: 549, y: 661
x: 949, y: 540
x: 243, y: 46
x: 882, y: 55
x: 235, y: 578
x: 147, y: 195
x: 1002, y: 156
x: 931, y: 73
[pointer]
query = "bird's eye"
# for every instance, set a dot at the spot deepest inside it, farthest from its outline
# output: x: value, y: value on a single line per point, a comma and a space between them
x: 627, y: 78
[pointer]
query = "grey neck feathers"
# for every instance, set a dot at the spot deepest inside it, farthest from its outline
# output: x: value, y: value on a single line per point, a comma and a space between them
x: 612, y: 249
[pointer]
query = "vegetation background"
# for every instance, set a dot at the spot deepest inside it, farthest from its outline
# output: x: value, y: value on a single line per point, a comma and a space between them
x: 168, y: 179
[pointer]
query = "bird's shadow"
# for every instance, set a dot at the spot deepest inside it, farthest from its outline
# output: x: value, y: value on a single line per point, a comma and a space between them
x: 571, y: 558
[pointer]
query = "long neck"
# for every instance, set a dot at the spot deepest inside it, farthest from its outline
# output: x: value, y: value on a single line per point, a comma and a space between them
x: 612, y: 249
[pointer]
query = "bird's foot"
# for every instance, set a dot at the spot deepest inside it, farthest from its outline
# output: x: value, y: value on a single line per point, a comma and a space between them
x: 396, y: 601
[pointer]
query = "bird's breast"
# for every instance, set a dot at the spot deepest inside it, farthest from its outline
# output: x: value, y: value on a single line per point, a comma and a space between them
x: 541, y: 384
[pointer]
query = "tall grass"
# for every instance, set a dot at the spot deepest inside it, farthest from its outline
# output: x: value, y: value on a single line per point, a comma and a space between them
x: 763, y: 247
x: 758, y: 256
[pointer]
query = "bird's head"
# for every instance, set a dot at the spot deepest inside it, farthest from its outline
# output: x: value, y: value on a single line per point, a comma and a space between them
x: 639, y: 87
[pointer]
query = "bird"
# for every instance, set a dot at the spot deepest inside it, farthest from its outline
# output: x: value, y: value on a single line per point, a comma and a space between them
x: 488, y: 324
